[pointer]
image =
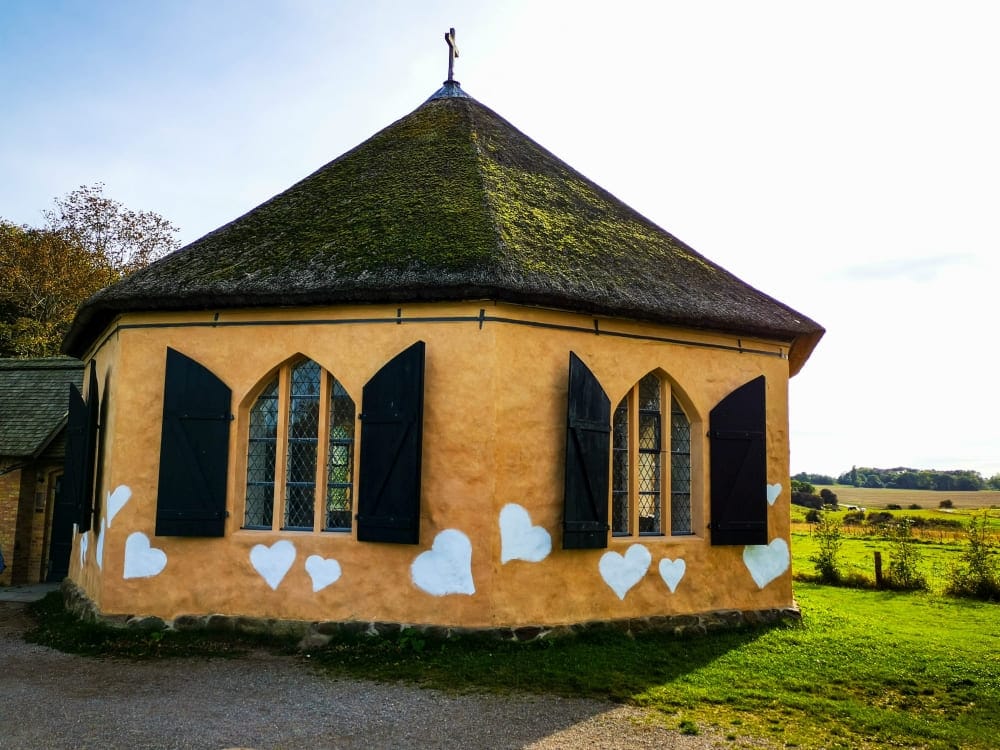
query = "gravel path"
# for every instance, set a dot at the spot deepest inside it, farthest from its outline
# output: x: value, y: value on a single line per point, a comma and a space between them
x: 53, y: 700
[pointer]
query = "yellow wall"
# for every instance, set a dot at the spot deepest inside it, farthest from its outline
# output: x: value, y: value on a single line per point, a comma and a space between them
x: 494, y: 433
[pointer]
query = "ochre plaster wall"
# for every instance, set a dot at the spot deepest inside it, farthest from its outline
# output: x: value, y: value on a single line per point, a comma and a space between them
x: 494, y: 433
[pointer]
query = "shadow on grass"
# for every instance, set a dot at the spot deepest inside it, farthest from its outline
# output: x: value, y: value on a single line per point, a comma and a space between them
x: 59, y: 629
x: 601, y: 663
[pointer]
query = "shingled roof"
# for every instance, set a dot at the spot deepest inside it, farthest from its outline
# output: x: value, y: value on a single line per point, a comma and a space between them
x: 451, y: 202
x: 34, y: 397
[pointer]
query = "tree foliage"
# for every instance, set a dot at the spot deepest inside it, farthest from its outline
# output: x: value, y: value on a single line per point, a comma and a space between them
x: 903, y: 478
x: 90, y: 241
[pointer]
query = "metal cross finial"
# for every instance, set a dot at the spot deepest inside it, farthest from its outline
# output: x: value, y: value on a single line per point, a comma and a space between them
x: 452, y: 53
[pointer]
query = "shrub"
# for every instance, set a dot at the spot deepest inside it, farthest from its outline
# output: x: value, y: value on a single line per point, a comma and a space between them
x: 977, y: 575
x: 829, y: 498
x: 813, y: 516
x: 946, y: 504
x: 893, y: 506
x: 880, y: 517
x: 854, y: 517
x: 806, y: 500
x: 913, y: 506
x: 827, y: 533
x: 904, y: 561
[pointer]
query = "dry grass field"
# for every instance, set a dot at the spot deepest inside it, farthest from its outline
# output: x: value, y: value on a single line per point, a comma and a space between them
x: 929, y: 499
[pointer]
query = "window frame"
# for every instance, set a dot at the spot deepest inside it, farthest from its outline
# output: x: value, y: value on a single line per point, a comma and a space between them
x: 279, y: 500
x: 669, y: 393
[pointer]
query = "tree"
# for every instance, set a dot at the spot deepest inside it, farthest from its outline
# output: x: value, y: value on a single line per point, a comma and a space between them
x: 127, y: 239
x: 43, y: 279
x: 46, y: 273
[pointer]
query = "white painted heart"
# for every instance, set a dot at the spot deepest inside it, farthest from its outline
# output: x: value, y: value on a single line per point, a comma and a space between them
x: 84, y: 543
x: 766, y: 561
x: 116, y: 501
x: 519, y: 540
x: 273, y: 562
x: 446, y: 568
x: 142, y: 560
x: 323, y: 571
x: 622, y: 572
x: 773, y: 490
x: 99, y: 552
x: 672, y: 571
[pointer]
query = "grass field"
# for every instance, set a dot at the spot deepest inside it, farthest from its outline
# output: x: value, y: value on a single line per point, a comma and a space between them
x: 879, y: 498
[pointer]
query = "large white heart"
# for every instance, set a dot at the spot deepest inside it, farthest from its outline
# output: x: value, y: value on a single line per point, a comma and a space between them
x: 322, y: 571
x: 766, y: 561
x: 84, y: 543
x: 672, y: 571
x: 773, y: 490
x: 623, y: 572
x: 99, y: 552
x: 273, y: 562
x: 116, y: 501
x: 141, y: 560
x: 446, y: 568
x: 519, y: 540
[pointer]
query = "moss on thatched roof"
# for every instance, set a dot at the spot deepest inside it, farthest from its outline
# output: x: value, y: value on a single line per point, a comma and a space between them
x: 451, y: 202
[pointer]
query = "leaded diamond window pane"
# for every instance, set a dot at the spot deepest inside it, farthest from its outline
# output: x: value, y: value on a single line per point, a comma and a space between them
x: 303, y: 437
x: 649, y: 393
x: 619, y: 470
x: 261, y: 453
x: 649, y: 493
x: 650, y: 445
x: 680, y: 470
x: 339, y: 462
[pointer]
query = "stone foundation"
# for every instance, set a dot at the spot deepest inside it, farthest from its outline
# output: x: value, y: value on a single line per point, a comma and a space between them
x: 314, y: 635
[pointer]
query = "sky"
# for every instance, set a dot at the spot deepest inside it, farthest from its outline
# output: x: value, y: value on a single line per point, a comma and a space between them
x: 841, y: 157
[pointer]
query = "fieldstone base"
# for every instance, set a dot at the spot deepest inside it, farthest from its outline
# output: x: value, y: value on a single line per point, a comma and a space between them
x: 315, y: 635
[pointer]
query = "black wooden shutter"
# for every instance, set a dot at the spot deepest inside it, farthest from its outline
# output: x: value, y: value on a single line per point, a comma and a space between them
x: 75, y: 467
x: 739, y: 466
x: 194, y: 450
x: 588, y: 452
x: 97, y: 408
x: 392, y: 418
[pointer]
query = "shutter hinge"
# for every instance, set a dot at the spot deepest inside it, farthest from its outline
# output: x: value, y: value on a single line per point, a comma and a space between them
x: 735, y: 434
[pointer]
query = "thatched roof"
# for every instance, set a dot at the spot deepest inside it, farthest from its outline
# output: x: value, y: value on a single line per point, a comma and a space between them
x: 34, y: 400
x: 451, y: 202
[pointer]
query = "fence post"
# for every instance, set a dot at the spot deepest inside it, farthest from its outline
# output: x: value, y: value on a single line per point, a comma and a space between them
x: 878, y: 569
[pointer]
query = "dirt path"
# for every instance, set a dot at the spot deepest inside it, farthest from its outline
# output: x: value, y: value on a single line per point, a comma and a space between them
x: 53, y: 700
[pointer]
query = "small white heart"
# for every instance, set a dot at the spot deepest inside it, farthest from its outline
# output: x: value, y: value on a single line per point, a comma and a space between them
x: 766, y: 561
x: 141, y: 560
x: 99, y: 552
x: 116, y: 501
x: 273, y: 562
x: 322, y: 571
x: 446, y: 568
x: 519, y: 540
x: 672, y: 571
x: 622, y: 572
x: 773, y: 490
x: 84, y: 544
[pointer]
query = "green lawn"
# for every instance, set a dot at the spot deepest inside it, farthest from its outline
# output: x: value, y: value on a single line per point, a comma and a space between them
x: 865, y: 669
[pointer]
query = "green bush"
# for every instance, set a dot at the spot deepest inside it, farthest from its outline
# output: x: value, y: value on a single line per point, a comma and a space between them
x: 827, y: 533
x: 879, y: 517
x: 813, y: 516
x: 977, y: 574
x: 904, y: 561
x: 946, y: 504
x: 893, y: 506
x: 854, y: 517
